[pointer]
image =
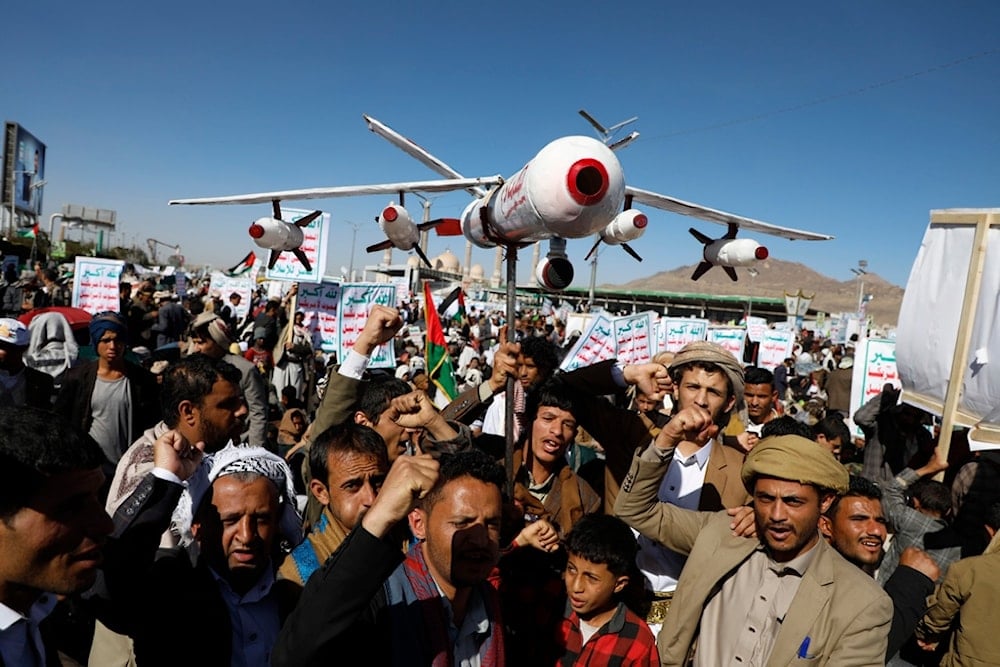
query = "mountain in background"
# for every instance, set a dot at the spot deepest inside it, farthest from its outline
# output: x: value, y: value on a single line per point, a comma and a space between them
x: 774, y: 278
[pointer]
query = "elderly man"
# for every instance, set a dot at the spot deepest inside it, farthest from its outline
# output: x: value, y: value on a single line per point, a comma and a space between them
x: 785, y: 596
x: 52, y: 528
x: 237, y: 507
x: 435, y: 607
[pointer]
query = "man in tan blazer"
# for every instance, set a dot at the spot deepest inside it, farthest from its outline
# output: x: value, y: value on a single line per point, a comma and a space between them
x: 785, y: 598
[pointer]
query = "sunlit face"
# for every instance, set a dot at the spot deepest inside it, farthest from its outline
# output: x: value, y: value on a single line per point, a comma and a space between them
x: 54, y: 543
x: 110, y: 347
x: 760, y: 401
x: 787, y: 516
x: 207, y: 346
x: 591, y: 587
x: 220, y: 416
x: 461, y: 532
x: 708, y: 390
x: 237, y: 533
x: 833, y: 445
x: 857, y: 531
x: 552, y: 432
x: 352, y: 484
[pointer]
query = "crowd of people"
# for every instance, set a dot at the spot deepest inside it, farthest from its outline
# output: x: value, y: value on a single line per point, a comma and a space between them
x: 212, y: 490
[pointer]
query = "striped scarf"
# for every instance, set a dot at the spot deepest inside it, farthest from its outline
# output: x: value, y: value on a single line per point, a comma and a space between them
x: 411, y: 589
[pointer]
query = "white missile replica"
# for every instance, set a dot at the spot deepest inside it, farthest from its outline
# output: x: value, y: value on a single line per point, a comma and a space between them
x: 276, y: 235
x: 627, y: 226
x: 574, y: 187
x: 727, y: 252
x: 401, y: 232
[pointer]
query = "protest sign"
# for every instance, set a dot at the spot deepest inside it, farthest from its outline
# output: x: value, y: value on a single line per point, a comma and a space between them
x: 356, y: 301
x: 673, y: 333
x: 731, y: 338
x: 226, y: 285
x: 874, y: 367
x: 321, y: 306
x: 95, y: 284
x: 775, y: 347
x: 596, y: 344
x: 634, y: 338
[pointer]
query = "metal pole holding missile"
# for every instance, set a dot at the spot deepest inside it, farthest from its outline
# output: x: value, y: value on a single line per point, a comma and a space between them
x: 509, y: 398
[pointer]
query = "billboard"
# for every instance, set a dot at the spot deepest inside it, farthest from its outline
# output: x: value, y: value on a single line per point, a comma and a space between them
x: 23, y: 169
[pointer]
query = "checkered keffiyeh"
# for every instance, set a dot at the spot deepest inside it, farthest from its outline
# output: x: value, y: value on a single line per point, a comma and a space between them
x: 231, y: 460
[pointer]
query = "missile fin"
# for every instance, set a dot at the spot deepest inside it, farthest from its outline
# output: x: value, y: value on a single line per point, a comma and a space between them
x: 301, y: 255
x: 273, y: 259
x: 700, y: 271
x: 704, y: 240
x: 381, y: 245
x: 305, y: 221
x: 443, y: 226
x: 422, y: 256
x: 593, y: 250
x: 627, y: 248
x: 731, y: 272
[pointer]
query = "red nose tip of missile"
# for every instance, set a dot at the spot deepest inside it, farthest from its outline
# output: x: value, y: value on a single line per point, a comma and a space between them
x: 587, y: 181
x: 640, y: 221
x: 390, y: 214
x: 256, y: 231
x: 760, y: 252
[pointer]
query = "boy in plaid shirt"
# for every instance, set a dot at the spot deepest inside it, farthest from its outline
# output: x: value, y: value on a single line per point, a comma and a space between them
x: 598, y: 629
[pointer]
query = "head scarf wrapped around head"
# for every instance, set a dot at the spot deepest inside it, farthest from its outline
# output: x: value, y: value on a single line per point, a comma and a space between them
x: 234, y: 459
x: 796, y: 459
x: 713, y: 353
x: 109, y: 320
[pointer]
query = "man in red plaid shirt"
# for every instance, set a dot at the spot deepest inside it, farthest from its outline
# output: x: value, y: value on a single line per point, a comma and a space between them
x: 598, y: 628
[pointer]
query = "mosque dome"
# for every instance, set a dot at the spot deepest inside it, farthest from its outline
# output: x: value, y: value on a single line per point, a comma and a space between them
x: 413, y: 261
x: 447, y: 261
x: 476, y: 272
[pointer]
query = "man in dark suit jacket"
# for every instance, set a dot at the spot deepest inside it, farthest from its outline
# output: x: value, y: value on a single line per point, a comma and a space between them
x: 237, y: 507
x: 52, y: 527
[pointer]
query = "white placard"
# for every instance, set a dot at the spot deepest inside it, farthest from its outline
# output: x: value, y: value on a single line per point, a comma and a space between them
x: 775, y: 347
x: 874, y: 367
x: 95, y: 284
x: 634, y: 338
x: 356, y: 301
x: 731, y: 338
x: 673, y: 333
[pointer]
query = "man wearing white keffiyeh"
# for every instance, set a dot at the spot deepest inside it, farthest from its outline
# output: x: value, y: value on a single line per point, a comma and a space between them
x: 237, y: 505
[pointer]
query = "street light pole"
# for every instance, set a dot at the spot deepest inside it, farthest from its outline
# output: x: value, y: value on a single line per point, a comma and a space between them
x: 861, y: 272
x: 354, y: 237
x: 753, y: 275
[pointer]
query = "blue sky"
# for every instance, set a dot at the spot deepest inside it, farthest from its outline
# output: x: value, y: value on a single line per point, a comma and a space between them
x: 139, y: 103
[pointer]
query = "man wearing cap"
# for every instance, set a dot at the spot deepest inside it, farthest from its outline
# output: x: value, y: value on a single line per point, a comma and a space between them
x: 142, y: 316
x: 237, y: 506
x: 171, y: 318
x: 19, y: 384
x: 212, y: 337
x: 700, y: 475
x: 111, y: 399
x: 783, y: 597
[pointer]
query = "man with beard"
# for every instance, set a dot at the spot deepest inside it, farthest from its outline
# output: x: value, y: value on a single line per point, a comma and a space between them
x: 784, y: 596
x: 435, y: 607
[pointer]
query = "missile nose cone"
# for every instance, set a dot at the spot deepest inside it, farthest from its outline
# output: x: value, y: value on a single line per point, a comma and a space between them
x: 760, y: 252
x: 256, y: 231
x: 390, y: 214
x: 587, y: 181
x: 640, y: 221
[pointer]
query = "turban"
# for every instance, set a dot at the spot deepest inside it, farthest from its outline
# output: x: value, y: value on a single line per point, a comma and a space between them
x: 215, y: 327
x: 705, y: 352
x: 108, y: 321
x: 796, y: 459
x: 235, y: 459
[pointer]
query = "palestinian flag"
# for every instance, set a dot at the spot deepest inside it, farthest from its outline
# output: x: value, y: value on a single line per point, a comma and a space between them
x: 439, y: 367
x: 28, y: 233
x: 448, y: 308
x: 243, y: 266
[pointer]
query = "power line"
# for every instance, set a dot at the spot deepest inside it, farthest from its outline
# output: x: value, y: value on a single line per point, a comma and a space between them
x: 826, y: 99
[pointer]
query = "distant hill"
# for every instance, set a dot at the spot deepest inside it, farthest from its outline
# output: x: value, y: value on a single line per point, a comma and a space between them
x: 775, y: 277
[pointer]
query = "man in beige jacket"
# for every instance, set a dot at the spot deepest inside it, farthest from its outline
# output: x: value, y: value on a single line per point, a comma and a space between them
x: 786, y: 598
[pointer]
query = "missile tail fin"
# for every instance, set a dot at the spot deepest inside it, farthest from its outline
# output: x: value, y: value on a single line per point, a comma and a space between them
x: 422, y: 256
x: 592, y: 250
x: 302, y: 257
x: 273, y: 259
x: 700, y: 271
x: 627, y: 248
x: 731, y: 272
x: 704, y: 240
x: 305, y: 221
